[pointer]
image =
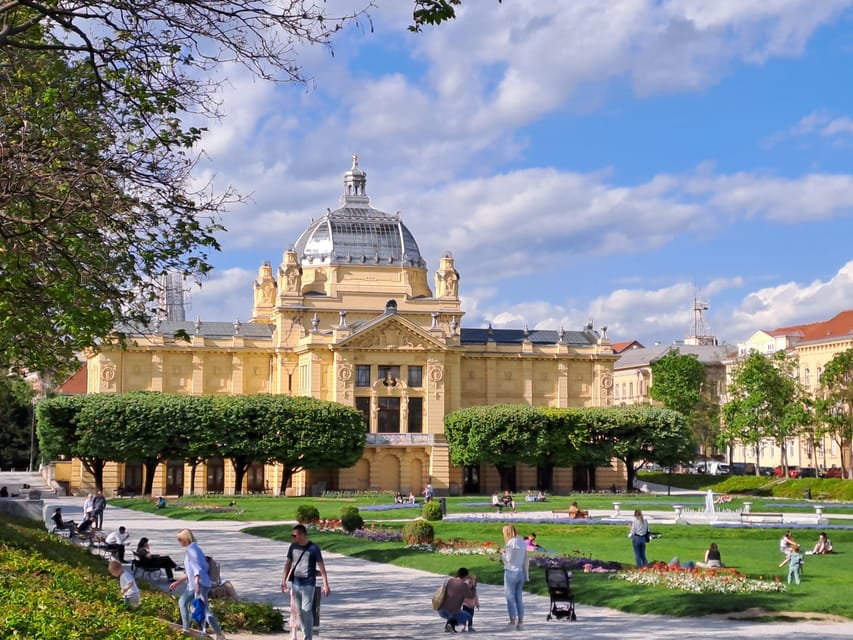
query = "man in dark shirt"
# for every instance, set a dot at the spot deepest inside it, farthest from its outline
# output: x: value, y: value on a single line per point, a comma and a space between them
x: 59, y: 523
x: 304, y: 562
x: 99, y: 503
x: 458, y: 589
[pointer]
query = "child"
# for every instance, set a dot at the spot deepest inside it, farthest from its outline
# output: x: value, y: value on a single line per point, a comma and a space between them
x: 129, y: 589
x: 294, y: 623
x: 469, y: 604
x: 795, y: 564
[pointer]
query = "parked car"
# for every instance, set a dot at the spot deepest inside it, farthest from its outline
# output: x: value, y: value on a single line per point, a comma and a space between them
x: 793, y: 471
x: 807, y: 472
x: 767, y: 471
x: 834, y: 472
x: 742, y: 468
x: 713, y: 468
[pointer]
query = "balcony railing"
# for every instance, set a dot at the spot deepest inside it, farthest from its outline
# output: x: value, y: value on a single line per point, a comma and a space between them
x: 404, y: 439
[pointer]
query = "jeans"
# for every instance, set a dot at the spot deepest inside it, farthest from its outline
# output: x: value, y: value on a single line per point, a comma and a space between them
x: 639, y: 543
x: 303, y: 594
x: 461, y: 618
x: 513, y: 583
x: 184, y: 606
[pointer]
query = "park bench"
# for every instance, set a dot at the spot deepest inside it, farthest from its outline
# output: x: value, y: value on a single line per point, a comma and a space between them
x: 581, y: 514
x: 757, y: 516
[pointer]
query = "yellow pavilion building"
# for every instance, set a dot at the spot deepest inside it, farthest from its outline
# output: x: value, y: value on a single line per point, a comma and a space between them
x: 349, y: 316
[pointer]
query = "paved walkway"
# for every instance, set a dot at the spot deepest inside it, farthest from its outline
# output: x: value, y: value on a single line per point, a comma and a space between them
x: 379, y: 601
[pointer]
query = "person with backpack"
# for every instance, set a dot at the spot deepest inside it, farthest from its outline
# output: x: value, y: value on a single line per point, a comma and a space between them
x: 450, y: 597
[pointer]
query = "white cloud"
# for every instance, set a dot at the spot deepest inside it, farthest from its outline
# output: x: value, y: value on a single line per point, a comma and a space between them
x: 225, y: 296
x: 793, y: 302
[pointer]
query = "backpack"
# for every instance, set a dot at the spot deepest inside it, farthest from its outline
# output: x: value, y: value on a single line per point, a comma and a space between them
x: 439, y: 595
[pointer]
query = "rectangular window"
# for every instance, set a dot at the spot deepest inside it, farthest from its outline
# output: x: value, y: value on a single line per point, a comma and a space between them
x: 416, y: 415
x: 389, y: 415
x: 416, y: 376
x: 363, y: 405
x: 389, y: 373
x: 362, y: 375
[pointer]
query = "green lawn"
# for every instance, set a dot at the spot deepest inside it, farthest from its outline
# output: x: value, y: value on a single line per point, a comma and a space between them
x: 751, y: 551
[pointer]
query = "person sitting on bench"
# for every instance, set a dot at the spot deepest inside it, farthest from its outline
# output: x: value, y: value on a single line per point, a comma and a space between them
x: 147, y: 560
x: 496, y: 502
x: 508, y: 500
x: 60, y: 524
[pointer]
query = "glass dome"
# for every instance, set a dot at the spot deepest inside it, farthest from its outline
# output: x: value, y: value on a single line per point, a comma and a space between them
x: 357, y: 233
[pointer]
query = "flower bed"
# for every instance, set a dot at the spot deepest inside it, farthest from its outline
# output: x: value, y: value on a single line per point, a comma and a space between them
x: 698, y: 580
x: 575, y: 562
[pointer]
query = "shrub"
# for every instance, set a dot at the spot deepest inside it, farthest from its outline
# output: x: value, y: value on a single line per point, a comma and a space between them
x: 307, y: 513
x: 432, y: 511
x: 418, y: 532
x: 351, y: 519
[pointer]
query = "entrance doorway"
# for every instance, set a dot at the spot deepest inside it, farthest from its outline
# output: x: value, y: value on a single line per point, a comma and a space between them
x: 175, y: 478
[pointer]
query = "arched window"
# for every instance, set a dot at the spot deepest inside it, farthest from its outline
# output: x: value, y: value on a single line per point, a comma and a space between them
x: 807, y: 377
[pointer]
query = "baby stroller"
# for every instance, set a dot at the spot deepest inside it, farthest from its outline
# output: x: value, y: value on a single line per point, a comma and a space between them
x: 560, y: 590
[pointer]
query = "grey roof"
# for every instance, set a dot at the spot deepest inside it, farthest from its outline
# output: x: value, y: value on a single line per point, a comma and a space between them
x: 205, y: 329
x: 707, y: 354
x: 357, y: 233
x: 536, y: 336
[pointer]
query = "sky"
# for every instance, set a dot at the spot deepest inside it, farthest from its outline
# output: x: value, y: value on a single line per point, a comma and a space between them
x: 581, y: 160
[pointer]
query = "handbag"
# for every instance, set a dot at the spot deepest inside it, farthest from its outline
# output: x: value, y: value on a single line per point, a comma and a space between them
x: 198, y: 610
x: 438, y: 596
x: 648, y: 536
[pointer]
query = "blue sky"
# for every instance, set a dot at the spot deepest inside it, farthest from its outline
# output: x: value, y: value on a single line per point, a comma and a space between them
x: 580, y: 159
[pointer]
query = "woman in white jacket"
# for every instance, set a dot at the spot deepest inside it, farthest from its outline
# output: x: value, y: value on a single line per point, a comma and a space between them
x: 516, y: 573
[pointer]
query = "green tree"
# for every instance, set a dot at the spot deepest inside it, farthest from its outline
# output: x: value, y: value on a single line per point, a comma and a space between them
x: 16, y: 424
x: 70, y: 426
x: 305, y: 433
x: 679, y: 382
x: 433, y: 12
x: 638, y: 434
x: 767, y: 402
x: 91, y: 213
x: 500, y: 435
x: 835, y: 405
x: 98, y: 198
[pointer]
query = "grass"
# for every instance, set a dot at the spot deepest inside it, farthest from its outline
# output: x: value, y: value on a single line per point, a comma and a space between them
x: 750, y: 551
x: 54, y: 588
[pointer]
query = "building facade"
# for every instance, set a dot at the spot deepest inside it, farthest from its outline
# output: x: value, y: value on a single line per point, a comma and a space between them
x: 348, y: 316
x: 814, y: 345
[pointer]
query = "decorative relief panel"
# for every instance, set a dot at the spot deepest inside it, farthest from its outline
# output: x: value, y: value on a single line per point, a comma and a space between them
x: 392, y: 339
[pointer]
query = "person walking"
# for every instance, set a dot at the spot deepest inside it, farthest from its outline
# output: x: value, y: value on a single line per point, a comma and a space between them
x: 639, y: 535
x: 99, y: 503
x: 795, y: 564
x: 197, y: 579
x: 127, y: 584
x: 516, y: 573
x: 304, y: 561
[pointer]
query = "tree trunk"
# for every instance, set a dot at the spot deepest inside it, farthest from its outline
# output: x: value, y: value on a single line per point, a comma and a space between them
x: 240, y: 468
x: 150, y: 470
x: 286, y: 475
x: 95, y: 466
x: 193, y: 468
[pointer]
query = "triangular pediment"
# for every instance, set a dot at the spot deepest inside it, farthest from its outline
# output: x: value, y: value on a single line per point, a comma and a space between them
x: 391, y: 333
